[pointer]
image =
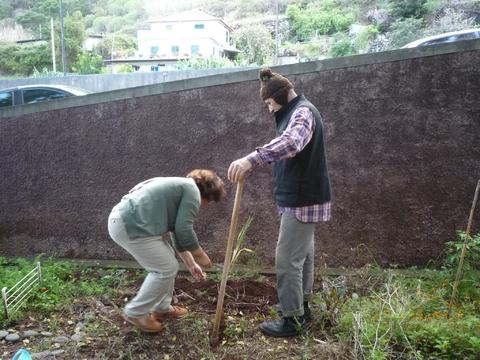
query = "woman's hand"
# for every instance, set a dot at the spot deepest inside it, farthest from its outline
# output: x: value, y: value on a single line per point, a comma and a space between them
x: 201, y: 258
x: 197, y: 272
x: 191, y: 265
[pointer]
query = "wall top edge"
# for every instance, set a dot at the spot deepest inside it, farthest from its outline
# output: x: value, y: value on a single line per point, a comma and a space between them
x: 241, y: 76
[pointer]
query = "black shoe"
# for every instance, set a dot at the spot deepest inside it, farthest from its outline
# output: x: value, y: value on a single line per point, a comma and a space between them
x: 307, y: 313
x: 285, y: 327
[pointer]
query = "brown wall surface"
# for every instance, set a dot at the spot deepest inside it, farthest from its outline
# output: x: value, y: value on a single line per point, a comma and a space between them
x: 403, y: 142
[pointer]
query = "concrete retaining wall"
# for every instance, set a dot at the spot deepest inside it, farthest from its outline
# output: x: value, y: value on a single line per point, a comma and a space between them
x: 108, y: 82
x: 403, y: 135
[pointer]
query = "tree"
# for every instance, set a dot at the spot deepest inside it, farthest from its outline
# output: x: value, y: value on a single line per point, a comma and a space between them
x: 123, y: 45
x: 255, y: 42
x: 23, y: 60
x: 74, y: 36
x: 88, y: 63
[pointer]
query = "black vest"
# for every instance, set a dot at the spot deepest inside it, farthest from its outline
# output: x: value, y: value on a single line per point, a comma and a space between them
x: 302, y: 180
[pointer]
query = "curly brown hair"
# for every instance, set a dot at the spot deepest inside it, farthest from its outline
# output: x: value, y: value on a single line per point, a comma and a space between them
x: 210, y: 185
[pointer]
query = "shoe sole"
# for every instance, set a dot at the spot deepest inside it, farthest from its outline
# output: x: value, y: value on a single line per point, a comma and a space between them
x: 140, y: 328
x: 266, y: 332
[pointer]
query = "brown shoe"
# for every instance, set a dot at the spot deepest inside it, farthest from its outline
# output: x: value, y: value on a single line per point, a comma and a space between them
x: 173, y: 312
x: 145, y: 323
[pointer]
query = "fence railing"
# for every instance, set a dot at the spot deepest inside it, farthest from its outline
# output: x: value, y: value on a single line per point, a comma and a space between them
x: 14, y: 297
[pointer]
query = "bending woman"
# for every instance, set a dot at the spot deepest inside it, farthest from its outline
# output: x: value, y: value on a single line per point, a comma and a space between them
x: 143, y: 223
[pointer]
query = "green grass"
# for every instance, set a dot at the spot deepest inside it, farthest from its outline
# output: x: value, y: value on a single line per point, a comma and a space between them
x: 62, y: 282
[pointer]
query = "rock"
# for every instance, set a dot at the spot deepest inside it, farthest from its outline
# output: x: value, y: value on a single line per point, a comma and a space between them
x: 79, y: 327
x: 3, y: 333
x: 60, y: 339
x: 12, y: 337
x: 46, y: 333
x: 89, y: 316
x: 77, y: 337
x: 30, y: 333
x: 41, y: 355
x: 57, y: 352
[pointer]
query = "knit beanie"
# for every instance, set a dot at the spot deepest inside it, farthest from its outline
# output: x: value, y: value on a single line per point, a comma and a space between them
x: 275, y: 86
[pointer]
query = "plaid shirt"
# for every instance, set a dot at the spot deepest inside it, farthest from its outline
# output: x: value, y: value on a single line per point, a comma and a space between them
x: 295, y: 137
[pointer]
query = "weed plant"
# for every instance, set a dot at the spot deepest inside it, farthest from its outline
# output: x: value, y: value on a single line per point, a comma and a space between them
x: 407, y: 318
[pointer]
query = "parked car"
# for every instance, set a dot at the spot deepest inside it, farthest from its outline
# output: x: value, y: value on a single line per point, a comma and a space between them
x: 468, y: 34
x: 27, y: 94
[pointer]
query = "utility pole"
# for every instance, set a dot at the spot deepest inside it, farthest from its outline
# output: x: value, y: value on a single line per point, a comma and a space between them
x: 52, y: 39
x: 64, y: 60
x: 276, y: 32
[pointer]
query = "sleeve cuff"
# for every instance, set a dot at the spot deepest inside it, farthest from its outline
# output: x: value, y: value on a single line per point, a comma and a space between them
x: 255, y: 158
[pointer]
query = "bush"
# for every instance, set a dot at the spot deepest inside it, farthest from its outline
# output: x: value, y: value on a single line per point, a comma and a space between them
x: 344, y: 46
x: 88, y: 63
x: 404, y: 31
x: 25, y: 59
x: 312, y: 20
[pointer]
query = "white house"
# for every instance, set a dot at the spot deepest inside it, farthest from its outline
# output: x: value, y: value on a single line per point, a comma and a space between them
x: 181, y: 36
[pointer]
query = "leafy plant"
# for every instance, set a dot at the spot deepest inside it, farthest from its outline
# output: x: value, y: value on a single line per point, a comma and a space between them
x: 255, y: 42
x: 203, y: 63
x: 88, y: 63
x: 454, y: 249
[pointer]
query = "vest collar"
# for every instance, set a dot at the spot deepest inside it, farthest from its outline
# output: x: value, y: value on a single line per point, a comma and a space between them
x: 286, y: 108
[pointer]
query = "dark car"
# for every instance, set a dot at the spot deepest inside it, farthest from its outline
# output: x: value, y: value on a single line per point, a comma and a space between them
x: 28, y: 94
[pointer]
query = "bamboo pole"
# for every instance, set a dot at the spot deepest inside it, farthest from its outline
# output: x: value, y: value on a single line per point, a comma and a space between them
x: 459, y: 275
x: 226, y: 266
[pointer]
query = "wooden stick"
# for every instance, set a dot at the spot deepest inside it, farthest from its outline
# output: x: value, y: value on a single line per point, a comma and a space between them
x: 226, y: 265
x: 459, y: 275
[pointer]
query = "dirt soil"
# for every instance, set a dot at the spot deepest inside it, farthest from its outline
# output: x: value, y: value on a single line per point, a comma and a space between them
x: 104, y: 334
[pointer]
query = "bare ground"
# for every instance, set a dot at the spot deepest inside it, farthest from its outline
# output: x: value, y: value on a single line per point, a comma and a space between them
x: 104, y: 335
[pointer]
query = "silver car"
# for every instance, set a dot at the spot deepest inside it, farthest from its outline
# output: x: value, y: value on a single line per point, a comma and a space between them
x: 28, y: 94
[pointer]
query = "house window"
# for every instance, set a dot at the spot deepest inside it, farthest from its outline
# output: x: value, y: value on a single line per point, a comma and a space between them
x: 154, y: 50
x: 195, y: 49
x: 199, y: 26
x: 175, y: 50
x: 226, y: 37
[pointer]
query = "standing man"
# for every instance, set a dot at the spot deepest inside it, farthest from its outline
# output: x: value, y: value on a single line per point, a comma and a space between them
x: 302, y: 194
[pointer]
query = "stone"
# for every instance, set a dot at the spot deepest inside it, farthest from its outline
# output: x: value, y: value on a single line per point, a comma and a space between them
x: 41, y: 355
x: 57, y: 352
x: 79, y: 327
x: 30, y: 333
x: 46, y: 333
x: 77, y: 337
x: 3, y: 333
x: 60, y: 339
x: 12, y: 337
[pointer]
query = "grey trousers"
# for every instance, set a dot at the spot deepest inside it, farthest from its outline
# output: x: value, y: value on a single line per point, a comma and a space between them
x: 157, y: 256
x: 294, y: 264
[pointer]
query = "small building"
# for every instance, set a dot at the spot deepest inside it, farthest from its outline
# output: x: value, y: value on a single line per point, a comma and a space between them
x: 181, y: 36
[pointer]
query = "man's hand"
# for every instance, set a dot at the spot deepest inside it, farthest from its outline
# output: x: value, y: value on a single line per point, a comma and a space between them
x: 238, y: 169
x: 201, y: 258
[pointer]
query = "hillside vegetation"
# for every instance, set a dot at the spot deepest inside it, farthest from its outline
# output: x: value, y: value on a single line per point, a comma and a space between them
x: 307, y: 29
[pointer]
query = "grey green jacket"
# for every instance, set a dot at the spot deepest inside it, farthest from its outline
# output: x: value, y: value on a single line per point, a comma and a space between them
x: 160, y: 205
